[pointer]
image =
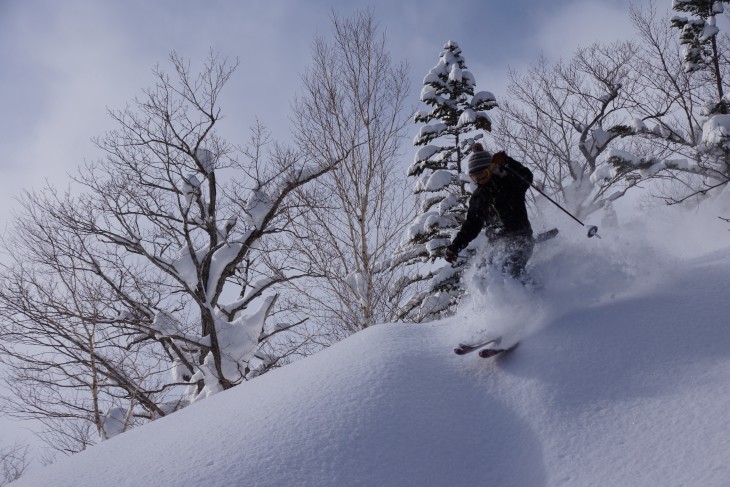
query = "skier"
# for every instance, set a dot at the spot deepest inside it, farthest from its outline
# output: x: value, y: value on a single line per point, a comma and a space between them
x: 498, y: 205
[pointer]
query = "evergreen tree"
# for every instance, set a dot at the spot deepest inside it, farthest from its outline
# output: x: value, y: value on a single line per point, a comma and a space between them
x: 703, y: 54
x: 455, y: 113
x: 699, y: 35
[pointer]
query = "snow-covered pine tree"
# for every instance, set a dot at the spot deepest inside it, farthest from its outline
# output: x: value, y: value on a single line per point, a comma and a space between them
x: 450, y: 127
x: 698, y: 34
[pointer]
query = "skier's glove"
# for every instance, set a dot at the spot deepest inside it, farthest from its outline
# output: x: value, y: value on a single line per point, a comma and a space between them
x: 499, y: 158
x: 450, y: 255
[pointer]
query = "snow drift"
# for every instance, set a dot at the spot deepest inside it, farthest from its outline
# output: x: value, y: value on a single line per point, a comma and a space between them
x: 622, y: 377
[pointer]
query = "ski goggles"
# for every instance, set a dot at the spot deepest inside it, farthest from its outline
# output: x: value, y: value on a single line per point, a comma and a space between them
x: 481, y: 177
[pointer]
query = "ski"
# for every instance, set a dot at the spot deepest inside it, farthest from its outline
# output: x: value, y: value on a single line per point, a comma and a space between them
x: 464, y: 348
x: 492, y: 352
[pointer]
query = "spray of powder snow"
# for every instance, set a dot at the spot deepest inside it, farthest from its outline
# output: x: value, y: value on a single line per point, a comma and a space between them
x: 568, y: 275
x: 574, y: 272
x: 495, y: 305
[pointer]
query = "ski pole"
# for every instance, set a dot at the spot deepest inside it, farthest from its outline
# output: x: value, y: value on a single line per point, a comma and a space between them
x: 592, y: 229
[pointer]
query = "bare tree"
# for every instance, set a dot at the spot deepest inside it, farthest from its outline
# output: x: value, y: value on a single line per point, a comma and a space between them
x: 353, y: 217
x: 152, y: 287
x: 683, y: 97
x: 66, y: 366
x: 563, y: 119
x: 13, y: 463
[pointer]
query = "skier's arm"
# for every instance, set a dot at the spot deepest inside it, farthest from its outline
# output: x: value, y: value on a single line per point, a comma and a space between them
x: 469, y: 229
x: 521, y: 176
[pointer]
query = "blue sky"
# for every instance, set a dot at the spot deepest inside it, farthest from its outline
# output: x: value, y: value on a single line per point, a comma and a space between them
x: 64, y: 62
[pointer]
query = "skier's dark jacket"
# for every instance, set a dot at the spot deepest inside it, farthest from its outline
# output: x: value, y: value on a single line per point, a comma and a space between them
x: 498, y: 206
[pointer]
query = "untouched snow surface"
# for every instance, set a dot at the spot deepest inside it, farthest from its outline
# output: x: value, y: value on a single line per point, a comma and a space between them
x: 622, y: 377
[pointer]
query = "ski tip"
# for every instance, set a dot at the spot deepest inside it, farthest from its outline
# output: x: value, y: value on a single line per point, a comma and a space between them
x: 489, y: 352
x: 459, y: 351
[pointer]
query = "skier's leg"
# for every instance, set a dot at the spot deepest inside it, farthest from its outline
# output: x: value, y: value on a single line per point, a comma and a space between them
x: 519, y: 251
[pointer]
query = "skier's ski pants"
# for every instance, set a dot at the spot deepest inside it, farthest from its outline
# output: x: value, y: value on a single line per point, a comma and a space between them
x: 512, y: 252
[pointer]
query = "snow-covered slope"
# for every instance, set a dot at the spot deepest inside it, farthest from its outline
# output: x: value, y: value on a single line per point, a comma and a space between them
x: 622, y: 377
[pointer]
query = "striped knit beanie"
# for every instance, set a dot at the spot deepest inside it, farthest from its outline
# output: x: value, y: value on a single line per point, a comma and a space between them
x: 479, y: 159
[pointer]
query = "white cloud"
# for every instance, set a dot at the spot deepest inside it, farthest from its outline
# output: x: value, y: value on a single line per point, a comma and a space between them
x: 579, y: 24
x: 82, y: 57
x: 63, y: 68
x: 555, y: 31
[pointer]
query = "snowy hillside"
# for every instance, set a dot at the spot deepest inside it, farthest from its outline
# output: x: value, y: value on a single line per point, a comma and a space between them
x: 622, y: 377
